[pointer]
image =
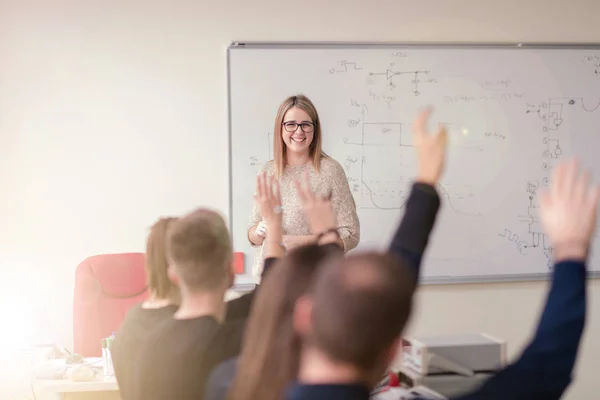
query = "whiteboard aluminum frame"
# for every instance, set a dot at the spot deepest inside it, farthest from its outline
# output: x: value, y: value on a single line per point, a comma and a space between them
x: 247, y: 284
x: 413, y: 45
x: 437, y: 280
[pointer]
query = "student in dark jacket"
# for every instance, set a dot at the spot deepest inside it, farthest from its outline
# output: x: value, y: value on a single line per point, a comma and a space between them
x: 142, y: 318
x: 269, y: 359
x: 350, y: 323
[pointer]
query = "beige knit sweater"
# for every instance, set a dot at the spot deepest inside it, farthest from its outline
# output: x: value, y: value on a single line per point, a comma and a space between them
x: 330, y: 180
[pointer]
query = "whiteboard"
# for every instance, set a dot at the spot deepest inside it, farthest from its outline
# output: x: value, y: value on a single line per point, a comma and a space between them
x: 513, y: 112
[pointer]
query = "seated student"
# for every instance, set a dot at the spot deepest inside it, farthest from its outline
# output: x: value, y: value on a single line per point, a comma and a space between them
x: 199, y: 330
x: 141, y: 318
x: 269, y: 358
x: 351, y: 323
x: 175, y: 359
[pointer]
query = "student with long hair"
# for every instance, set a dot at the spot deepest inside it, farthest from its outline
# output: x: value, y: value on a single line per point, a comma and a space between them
x: 270, y: 353
x: 286, y: 279
x: 143, y: 317
x: 297, y: 150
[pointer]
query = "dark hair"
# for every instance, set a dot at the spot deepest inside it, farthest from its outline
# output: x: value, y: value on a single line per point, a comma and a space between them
x: 199, y: 249
x: 270, y: 351
x: 360, y: 306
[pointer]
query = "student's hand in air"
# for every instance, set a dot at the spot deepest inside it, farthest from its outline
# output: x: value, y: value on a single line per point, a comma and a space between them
x: 568, y: 211
x: 431, y: 149
x: 318, y: 209
x: 268, y: 199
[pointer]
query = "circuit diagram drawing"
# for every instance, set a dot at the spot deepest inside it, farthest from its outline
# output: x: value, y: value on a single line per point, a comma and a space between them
x: 389, y: 76
x: 552, y: 150
x: 344, y: 66
x: 594, y: 61
x: 551, y: 111
x: 535, y: 238
x: 552, y: 114
x: 388, y: 146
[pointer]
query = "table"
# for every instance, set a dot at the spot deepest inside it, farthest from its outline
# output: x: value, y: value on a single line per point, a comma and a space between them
x: 100, y: 387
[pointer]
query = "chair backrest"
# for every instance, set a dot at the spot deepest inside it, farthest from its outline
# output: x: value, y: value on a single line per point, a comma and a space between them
x: 106, y: 287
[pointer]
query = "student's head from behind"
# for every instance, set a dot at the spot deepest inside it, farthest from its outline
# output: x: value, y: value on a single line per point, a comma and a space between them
x: 156, y: 263
x: 200, y: 252
x: 269, y: 358
x: 297, y: 130
x: 356, y: 313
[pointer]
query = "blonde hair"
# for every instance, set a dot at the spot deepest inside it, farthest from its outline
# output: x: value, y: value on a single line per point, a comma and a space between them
x: 156, y: 264
x: 279, y: 147
x: 199, y: 247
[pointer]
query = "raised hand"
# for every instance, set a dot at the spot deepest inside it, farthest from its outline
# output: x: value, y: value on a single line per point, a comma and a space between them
x: 318, y: 210
x: 431, y: 149
x: 268, y: 199
x: 568, y: 211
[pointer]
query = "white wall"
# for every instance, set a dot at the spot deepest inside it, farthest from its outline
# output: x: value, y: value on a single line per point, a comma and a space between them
x: 113, y: 113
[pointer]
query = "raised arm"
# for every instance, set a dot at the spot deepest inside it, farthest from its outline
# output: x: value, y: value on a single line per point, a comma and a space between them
x: 268, y: 203
x: 268, y: 200
x: 543, y: 371
x: 411, y: 237
x: 257, y: 226
x: 422, y: 205
x: 321, y: 216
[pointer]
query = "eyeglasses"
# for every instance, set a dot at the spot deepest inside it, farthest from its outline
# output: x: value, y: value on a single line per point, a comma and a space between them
x: 306, y: 127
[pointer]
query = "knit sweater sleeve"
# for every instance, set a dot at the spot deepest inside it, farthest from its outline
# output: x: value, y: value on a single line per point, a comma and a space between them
x: 345, y: 207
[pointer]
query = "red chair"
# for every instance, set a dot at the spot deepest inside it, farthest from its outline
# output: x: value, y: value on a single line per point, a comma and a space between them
x: 106, y: 287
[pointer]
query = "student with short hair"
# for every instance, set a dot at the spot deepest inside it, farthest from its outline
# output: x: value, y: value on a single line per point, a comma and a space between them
x: 352, y: 334
x: 176, y: 358
x: 203, y: 332
x: 351, y: 322
x: 143, y: 317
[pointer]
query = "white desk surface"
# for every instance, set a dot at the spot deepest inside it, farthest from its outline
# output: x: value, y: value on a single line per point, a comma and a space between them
x: 67, y: 385
x: 100, y: 384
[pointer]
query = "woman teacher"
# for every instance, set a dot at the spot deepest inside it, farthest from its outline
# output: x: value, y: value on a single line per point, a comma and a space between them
x: 297, y: 150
